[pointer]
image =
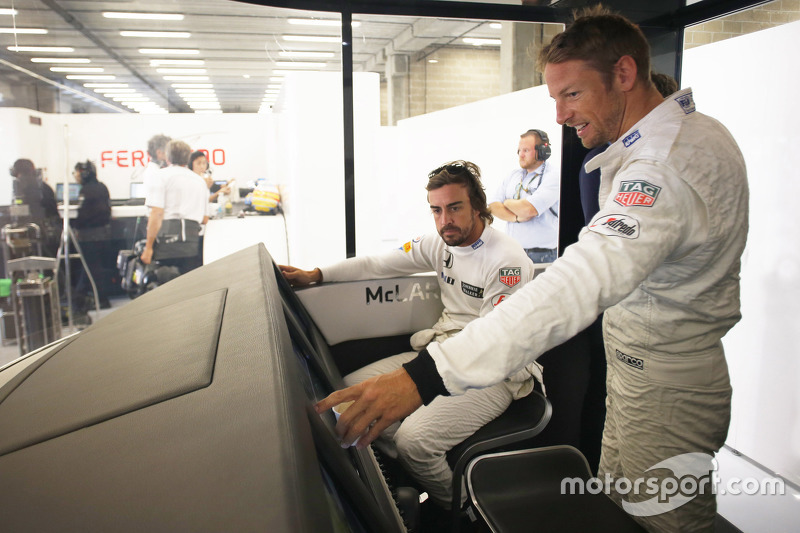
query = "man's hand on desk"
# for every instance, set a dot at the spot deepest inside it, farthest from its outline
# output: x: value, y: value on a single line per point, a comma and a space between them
x: 300, y: 278
x: 379, y: 402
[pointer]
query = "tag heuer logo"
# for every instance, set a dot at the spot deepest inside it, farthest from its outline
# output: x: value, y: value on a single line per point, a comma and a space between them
x: 510, y: 276
x: 637, y: 193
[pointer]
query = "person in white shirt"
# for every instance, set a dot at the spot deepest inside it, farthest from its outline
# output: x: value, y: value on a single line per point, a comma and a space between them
x: 178, y: 202
x: 528, y: 199
x: 157, y: 150
x: 478, y: 267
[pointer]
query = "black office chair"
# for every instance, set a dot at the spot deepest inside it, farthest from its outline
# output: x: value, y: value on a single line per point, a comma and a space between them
x: 525, y: 418
x: 521, y: 491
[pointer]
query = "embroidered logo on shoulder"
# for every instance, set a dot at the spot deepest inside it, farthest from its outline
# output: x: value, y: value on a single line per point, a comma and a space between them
x: 499, y: 298
x: 686, y: 102
x: 632, y: 138
x: 510, y: 276
x: 477, y: 244
x: 407, y: 247
x: 637, y: 193
x: 616, y: 226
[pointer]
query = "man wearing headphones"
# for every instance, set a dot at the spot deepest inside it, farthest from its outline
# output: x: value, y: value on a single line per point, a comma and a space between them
x: 528, y: 199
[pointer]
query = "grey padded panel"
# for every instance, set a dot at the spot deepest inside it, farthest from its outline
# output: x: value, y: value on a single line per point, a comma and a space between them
x: 236, y: 455
x: 109, y: 372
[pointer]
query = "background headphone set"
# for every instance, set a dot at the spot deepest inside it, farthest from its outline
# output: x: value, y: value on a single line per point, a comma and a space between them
x: 542, y: 150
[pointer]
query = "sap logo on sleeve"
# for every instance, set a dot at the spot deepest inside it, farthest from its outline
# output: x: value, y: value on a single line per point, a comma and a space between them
x: 632, y: 138
x: 616, y: 226
x: 446, y: 279
x: 510, y: 276
x: 637, y: 193
x: 686, y: 102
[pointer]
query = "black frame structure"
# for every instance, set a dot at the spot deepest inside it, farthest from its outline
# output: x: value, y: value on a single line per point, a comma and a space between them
x: 662, y: 21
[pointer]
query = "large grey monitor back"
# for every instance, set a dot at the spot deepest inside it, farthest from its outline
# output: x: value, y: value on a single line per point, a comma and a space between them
x: 189, y: 409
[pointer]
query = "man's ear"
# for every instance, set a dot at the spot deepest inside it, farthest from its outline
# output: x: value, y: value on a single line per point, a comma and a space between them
x: 625, y: 73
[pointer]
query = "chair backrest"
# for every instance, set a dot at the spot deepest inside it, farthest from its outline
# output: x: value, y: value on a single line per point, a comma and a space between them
x: 505, y: 487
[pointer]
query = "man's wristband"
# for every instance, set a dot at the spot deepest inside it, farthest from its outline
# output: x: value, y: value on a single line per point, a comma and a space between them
x: 422, y: 370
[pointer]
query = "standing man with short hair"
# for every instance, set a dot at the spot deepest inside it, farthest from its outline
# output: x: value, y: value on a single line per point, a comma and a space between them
x: 478, y: 268
x: 178, y: 203
x: 157, y: 150
x: 528, y: 199
x: 661, y: 257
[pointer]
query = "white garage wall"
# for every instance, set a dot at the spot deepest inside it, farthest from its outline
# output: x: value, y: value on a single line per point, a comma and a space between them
x: 749, y: 83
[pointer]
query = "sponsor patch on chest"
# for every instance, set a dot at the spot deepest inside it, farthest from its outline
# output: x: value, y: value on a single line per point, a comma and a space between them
x: 471, y: 290
x: 510, y: 276
x: 637, y: 193
x: 616, y: 226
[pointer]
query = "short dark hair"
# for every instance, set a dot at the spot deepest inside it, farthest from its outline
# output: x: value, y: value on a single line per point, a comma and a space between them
x: 157, y: 142
x: 600, y: 38
x: 195, y: 155
x: 178, y: 152
x: 666, y: 85
x: 462, y: 173
x: 23, y: 169
x: 88, y: 171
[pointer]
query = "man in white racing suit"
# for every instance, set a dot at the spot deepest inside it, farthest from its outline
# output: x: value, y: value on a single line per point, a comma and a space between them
x: 662, y: 257
x: 477, y: 267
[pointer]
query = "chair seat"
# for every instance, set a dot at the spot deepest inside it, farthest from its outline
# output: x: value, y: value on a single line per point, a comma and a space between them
x: 523, y: 419
x: 520, y: 491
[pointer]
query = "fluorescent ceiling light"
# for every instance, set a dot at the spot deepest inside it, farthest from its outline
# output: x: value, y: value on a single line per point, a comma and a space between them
x: 433, y: 61
x: 60, y: 60
x: 7, y: 11
x: 115, y: 91
x: 76, y: 69
x: 181, y: 70
x: 90, y: 77
x: 209, y: 111
x: 176, y: 51
x: 194, y: 91
x: 157, y: 34
x: 273, y: 86
x: 308, y: 55
x: 185, y: 78
x: 200, y: 99
x: 204, y: 105
x: 192, y: 86
x: 321, y: 22
x: 105, y: 85
x: 143, y: 16
x: 300, y: 64
x: 276, y: 78
x: 496, y: 26
x: 54, y: 49
x: 311, y: 39
x: 481, y: 42
x: 129, y: 98
x: 20, y: 31
x: 187, y: 62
